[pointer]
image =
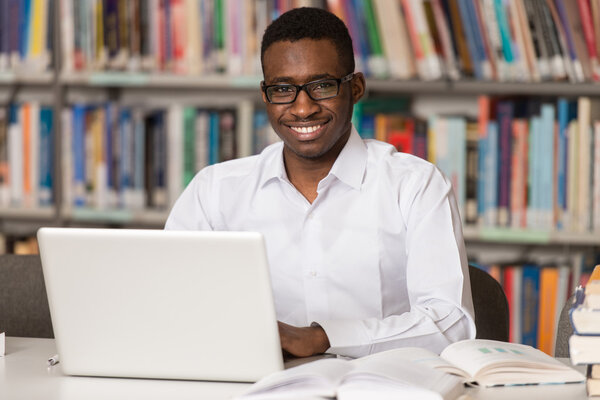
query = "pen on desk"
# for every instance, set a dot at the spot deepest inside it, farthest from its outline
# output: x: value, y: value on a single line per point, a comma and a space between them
x: 53, y: 360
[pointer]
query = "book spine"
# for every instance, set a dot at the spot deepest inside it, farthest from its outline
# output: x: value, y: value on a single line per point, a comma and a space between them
x: 589, y: 36
x: 505, y: 117
x: 468, y: 24
x: 15, y: 155
x: 214, y: 145
x: 587, y: 27
x: 518, y: 183
x: 546, y: 149
x: 189, y: 146
x: 584, y: 124
x: 448, y: 47
x: 79, y: 155
x: 14, y: 32
x: 556, y: 58
x: 530, y: 304
x: 376, y: 61
x: 175, y: 152
x: 562, y: 115
x: 548, y: 292
x: 202, y: 127
x: 46, y: 156
x: 139, y: 161
x: 227, y: 137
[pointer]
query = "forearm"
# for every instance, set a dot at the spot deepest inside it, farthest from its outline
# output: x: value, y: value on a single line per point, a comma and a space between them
x: 433, y: 328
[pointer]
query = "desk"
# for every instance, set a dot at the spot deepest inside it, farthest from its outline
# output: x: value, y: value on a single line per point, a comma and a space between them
x: 24, y: 375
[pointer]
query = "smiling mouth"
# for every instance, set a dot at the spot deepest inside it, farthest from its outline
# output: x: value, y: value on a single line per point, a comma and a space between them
x: 305, y: 129
x: 306, y: 133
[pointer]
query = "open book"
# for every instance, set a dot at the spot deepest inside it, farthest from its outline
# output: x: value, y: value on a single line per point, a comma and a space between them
x: 416, y: 373
x: 378, y: 376
x: 493, y: 363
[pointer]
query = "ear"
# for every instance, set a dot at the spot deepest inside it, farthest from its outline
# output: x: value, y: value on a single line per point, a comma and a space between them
x: 358, y: 85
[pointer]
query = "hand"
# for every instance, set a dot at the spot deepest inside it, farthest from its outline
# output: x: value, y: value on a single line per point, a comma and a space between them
x: 302, y: 342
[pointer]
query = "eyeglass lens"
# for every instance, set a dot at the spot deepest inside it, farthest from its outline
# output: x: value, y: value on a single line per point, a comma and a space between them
x: 316, y: 90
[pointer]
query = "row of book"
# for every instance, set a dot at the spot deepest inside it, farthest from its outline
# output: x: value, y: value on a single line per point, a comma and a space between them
x: 584, y: 344
x: 113, y: 156
x: 26, y: 35
x: 187, y: 37
x: 117, y: 157
x: 520, y: 40
x: 26, y: 155
x: 536, y: 295
x: 517, y: 40
x: 135, y: 158
x: 526, y: 163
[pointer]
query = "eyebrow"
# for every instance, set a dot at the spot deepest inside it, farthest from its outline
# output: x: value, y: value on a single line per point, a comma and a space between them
x: 288, y: 79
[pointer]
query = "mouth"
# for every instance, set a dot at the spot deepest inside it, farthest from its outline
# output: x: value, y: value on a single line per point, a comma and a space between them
x: 307, y: 132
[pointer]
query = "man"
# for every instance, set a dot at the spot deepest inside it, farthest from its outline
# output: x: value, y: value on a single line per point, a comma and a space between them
x: 364, y: 243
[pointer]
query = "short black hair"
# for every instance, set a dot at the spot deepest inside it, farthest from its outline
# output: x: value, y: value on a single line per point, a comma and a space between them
x: 311, y: 23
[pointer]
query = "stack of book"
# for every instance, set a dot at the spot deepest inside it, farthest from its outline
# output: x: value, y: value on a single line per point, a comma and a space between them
x: 584, y: 344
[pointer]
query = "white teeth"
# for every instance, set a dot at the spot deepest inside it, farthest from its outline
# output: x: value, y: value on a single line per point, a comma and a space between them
x: 305, y: 129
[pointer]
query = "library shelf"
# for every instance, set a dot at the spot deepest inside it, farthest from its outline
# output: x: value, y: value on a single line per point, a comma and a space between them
x: 34, y: 213
x: 475, y: 87
x: 158, y: 81
x: 251, y: 84
x: 529, y: 236
x: 124, y: 217
x: 26, y: 78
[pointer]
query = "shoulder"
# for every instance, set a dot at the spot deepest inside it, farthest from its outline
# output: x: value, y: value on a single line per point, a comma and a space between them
x: 397, y: 165
x: 240, y: 169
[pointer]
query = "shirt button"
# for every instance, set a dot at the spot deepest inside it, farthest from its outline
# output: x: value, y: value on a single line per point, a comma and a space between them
x: 313, y: 273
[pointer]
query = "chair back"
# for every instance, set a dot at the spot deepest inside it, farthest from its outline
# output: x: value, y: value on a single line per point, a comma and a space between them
x: 24, y: 307
x: 491, y: 308
x: 564, y: 330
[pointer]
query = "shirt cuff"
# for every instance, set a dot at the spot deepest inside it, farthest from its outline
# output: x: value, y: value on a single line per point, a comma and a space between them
x: 346, y: 337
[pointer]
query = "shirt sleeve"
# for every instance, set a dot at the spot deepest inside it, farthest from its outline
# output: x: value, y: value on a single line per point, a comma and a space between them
x: 437, y: 275
x: 189, y: 211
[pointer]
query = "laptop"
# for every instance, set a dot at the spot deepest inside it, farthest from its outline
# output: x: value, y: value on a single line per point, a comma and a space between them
x: 161, y: 304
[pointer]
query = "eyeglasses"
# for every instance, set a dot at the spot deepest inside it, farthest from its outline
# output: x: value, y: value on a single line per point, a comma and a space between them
x: 317, y: 90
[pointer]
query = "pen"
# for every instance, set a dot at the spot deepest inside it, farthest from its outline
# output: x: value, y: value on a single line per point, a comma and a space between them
x: 53, y: 360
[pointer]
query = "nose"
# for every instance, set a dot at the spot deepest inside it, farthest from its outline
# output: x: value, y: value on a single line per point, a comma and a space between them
x: 304, y: 106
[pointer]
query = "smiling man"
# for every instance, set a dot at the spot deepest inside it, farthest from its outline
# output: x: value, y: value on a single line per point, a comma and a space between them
x: 364, y: 243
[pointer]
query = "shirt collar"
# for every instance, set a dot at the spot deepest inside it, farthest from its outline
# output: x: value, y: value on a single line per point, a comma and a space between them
x: 351, y: 164
x: 349, y: 167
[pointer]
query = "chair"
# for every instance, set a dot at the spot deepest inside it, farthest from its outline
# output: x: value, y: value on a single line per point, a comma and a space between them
x: 24, y: 307
x: 491, y: 307
x: 564, y: 330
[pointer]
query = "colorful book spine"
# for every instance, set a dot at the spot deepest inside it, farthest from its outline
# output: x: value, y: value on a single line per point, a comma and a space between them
x: 530, y: 304
x: 46, y: 156
x: 505, y: 118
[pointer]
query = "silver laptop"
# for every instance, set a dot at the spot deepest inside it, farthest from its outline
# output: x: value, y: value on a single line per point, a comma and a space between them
x: 161, y: 304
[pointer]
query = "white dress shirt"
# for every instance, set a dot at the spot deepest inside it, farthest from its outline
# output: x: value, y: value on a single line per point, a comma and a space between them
x: 378, y: 259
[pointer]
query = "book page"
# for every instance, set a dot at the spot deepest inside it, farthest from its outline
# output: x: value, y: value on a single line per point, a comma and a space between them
x: 493, y: 362
x: 417, y: 355
x: 402, y: 378
x: 318, y: 378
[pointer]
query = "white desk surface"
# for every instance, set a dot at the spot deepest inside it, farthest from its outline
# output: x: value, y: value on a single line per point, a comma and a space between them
x: 24, y: 374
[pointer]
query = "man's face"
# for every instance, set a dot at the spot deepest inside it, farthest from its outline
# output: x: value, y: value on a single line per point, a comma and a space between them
x: 310, y: 129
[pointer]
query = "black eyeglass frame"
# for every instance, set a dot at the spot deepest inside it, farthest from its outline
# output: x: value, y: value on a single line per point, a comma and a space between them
x: 299, y: 88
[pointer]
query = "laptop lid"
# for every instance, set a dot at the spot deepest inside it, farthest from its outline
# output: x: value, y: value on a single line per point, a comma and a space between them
x: 161, y: 304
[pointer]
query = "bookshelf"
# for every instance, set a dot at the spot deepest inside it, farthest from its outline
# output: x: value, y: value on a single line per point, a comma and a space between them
x: 234, y: 87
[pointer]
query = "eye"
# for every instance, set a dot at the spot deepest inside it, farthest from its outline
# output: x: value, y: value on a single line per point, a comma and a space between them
x: 325, y: 85
x: 283, y: 89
